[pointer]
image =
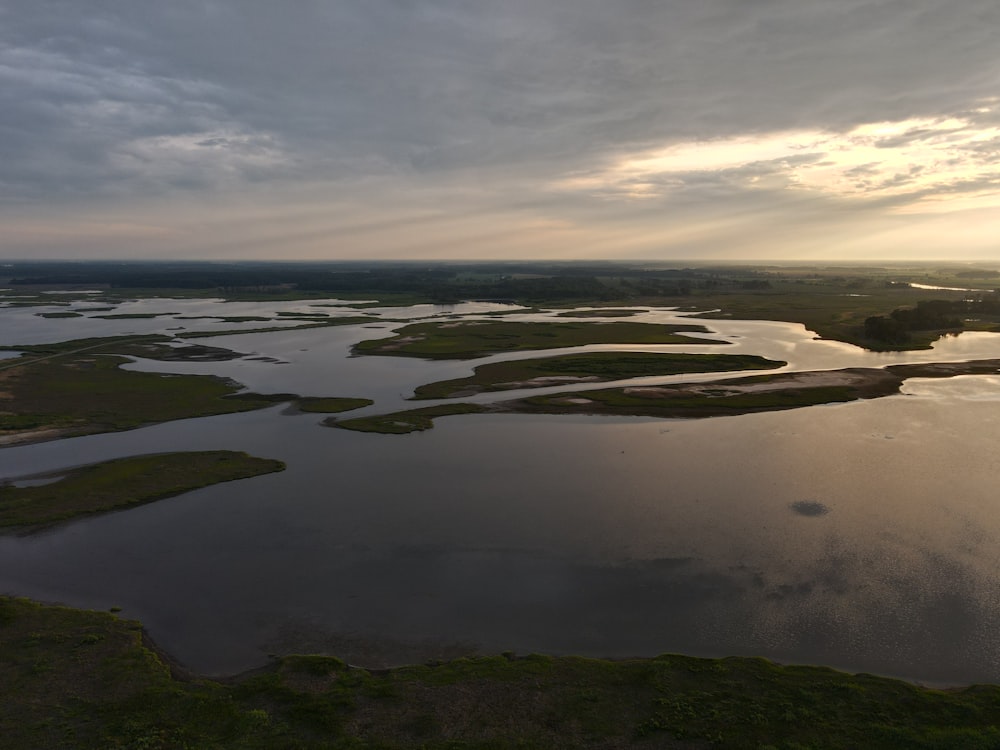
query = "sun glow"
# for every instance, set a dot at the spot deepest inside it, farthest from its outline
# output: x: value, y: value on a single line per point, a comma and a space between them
x: 928, y: 163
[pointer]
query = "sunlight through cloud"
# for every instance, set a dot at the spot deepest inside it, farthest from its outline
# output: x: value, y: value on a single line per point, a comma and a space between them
x: 917, y: 161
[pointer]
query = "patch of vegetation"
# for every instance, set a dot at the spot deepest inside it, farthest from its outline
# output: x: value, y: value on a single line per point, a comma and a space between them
x: 123, y: 483
x: 470, y: 339
x: 331, y: 405
x: 154, y: 346
x: 227, y: 318
x: 595, y: 366
x: 91, y: 680
x: 606, y: 312
x: 937, y: 315
x: 60, y: 314
x: 717, y: 398
x: 618, y: 402
x: 134, y: 316
x: 346, y: 321
x: 402, y: 422
x: 81, y: 390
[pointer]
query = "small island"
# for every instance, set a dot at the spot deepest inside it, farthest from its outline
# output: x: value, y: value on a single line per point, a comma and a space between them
x: 592, y: 367
x: 471, y: 339
x: 33, y: 502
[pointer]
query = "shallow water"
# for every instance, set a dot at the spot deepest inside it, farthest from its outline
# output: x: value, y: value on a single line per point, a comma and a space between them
x: 863, y: 536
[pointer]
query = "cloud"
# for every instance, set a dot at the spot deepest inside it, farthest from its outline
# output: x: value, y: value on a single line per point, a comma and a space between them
x: 547, y: 103
x: 919, y: 158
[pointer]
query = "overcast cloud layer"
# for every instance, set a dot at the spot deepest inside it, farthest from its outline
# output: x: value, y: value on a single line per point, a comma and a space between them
x: 659, y: 129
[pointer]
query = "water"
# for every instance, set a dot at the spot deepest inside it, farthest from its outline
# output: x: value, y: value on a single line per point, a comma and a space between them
x: 864, y: 536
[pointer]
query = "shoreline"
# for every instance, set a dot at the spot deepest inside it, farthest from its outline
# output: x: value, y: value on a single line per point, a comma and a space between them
x: 93, y: 679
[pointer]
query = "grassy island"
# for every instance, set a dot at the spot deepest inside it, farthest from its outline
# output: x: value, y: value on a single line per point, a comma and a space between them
x: 78, y: 388
x: 590, y: 367
x: 403, y: 422
x: 83, y: 390
x: 85, y: 679
x: 729, y: 397
x: 331, y: 405
x: 470, y: 339
x: 124, y: 483
x: 721, y: 397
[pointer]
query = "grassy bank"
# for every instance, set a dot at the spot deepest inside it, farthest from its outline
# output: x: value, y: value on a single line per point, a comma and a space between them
x: 331, y: 405
x: 466, y: 340
x: 403, y: 422
x: 123, y: 483
x: 84, y: 679
x: 594, y: 367
x: 721, y: 397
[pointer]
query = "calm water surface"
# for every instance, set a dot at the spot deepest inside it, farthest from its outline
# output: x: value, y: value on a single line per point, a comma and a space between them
x: 864, y: 536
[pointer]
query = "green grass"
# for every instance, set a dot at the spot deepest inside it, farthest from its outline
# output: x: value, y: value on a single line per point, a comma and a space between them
x: 82, y: 679
x: 331, y: 405
x: 123, y: 483
x: 834, y: 305
x: 78, y: 387
x: 402, y: 422
x: 606, y: 312
x: 346, y: 321
x: 134, y: 316
x: 595, y: 366
x: 466, y: 340
x: 717, y: 398
x: 88, y: 392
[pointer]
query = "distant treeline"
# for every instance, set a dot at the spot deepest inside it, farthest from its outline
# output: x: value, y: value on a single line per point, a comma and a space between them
x: 440, y: 283
x: 929, y: 315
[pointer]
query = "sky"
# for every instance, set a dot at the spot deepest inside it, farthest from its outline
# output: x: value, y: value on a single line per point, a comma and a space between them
x: 500, y: 129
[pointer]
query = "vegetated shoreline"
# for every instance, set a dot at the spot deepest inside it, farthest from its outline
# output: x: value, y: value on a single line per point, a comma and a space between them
x: 470, y: 339
x: 77, y: 387
x: 687, y: 400
x: 119, y: 484
x: 91, y: 679
x: 747, y: 395
x: 589, y: 367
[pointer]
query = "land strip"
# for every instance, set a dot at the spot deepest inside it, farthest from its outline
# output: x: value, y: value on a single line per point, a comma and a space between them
x: 403, y: 422
x: 78, y: 388
x: 746, y: 395
x: 84, y: 679
x: 730, y: 397
x: 122, y: 483
x: 591, y: 367
x: 470, y: 339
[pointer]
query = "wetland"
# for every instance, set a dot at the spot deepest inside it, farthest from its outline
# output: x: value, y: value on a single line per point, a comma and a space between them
x: 837, y: 509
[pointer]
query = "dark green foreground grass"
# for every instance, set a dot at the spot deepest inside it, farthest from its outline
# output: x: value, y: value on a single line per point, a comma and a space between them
x: 79, y: 679
x: 123, y: 483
